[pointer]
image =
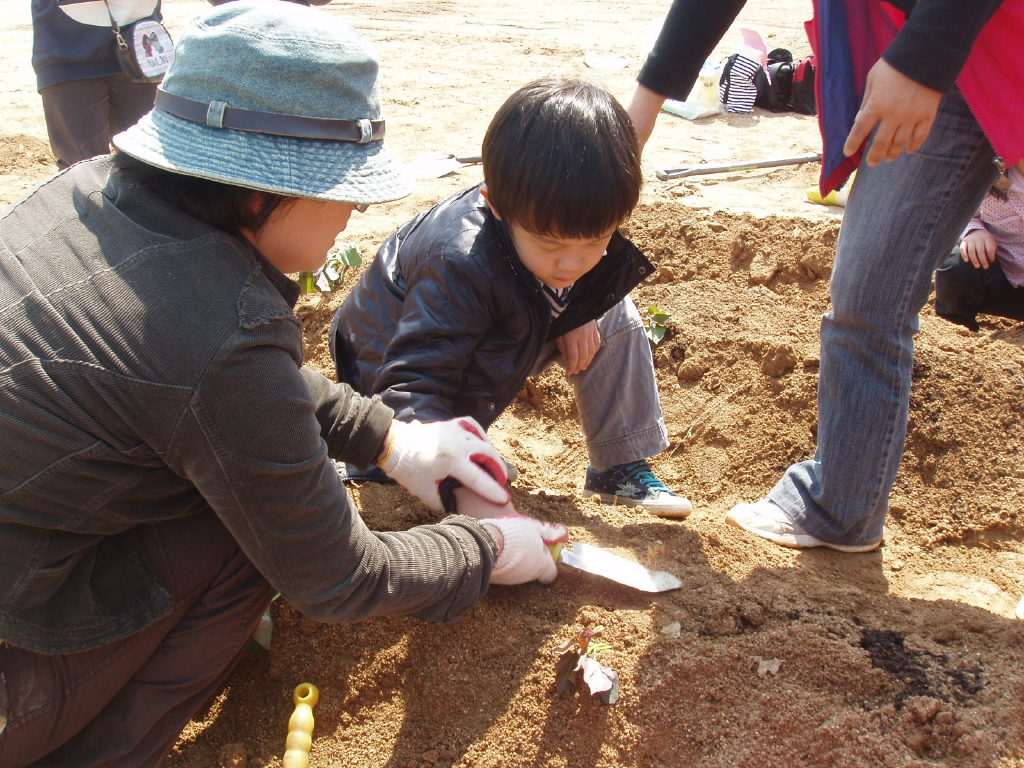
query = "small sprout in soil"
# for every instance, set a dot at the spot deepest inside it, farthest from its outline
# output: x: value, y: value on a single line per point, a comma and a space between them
x: 330, y: 275
x: 654, y: 325
x: 577, y: 657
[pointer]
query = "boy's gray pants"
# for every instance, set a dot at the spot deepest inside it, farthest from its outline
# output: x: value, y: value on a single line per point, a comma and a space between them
x: 617, y: 396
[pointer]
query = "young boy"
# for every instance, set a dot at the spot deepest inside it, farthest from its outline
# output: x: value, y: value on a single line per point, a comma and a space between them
x: 490, y: 286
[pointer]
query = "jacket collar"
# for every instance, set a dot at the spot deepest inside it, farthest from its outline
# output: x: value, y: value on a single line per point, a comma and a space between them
x: 152, y: 211
x: 288, y: 288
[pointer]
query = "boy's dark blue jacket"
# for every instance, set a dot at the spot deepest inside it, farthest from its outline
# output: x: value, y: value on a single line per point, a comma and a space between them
x: 446, y: 321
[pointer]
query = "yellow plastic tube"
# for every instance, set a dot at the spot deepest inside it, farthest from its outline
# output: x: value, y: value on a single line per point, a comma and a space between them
x: 300, y: 727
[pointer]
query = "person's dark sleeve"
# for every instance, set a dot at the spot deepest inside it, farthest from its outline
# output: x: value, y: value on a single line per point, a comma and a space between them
x: 933, y: 44
x: 353, y: 426
x: 250, y: 442
x: 691, y: 31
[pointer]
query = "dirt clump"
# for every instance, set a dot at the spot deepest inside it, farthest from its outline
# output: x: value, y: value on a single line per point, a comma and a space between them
x: 867, y: 672
x: 24, y: 161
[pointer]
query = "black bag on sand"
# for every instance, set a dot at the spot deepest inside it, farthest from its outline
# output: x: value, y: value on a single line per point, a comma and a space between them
x: 792, y: 84
x: 803, y: 87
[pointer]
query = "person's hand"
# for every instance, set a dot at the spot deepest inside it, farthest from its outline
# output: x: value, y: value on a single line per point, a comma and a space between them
x: 643, y: 112
x: 523, y: 553
x: 579, y: 346
x: 902, y: 108
x: 419, y: 456
x: 979, y: 248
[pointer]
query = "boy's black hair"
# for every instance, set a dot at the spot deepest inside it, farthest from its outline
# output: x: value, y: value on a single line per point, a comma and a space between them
x: 225, y: 206
x: 561, y: 159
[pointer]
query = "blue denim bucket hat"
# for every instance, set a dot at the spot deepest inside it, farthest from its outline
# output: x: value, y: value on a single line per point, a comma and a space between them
x: 275, y: 97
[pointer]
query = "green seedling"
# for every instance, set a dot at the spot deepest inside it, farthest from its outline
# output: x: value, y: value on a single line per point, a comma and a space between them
x: 307, y: 282
x: 654, y: 325
x: 331, y: 274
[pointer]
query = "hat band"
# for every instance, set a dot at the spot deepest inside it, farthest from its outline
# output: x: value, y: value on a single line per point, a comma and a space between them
x: 217, y: 114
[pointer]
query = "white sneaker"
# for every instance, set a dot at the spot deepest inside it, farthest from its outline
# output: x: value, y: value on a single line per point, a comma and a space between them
x: 768, y: 520
x: 1020, y: 609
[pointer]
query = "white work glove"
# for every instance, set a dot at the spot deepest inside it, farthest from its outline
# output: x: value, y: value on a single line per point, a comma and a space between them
x: 420, y: 456
x: 526, y: 549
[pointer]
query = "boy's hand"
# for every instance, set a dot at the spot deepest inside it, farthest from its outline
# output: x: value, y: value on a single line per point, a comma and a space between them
x: 979, y: 248
x: 420, y: 456
x: 579, y: 346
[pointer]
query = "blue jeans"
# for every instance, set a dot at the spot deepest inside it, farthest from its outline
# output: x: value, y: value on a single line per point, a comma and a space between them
x: 617, y: 396
x: 902, y: 218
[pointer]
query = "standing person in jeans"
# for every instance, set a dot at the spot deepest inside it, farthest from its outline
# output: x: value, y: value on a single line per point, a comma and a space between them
x: 167, y: 460
x: 938, y: 166
x: 87, y: 98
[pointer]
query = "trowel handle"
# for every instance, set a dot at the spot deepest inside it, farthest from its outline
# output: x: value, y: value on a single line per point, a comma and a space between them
x: 556, y: 549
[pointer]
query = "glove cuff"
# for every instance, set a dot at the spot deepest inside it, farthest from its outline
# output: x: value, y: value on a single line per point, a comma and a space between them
x: 515, y: 536
x: 394, y: 453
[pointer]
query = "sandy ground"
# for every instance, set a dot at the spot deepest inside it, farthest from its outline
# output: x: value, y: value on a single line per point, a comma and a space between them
x: 908, y: 656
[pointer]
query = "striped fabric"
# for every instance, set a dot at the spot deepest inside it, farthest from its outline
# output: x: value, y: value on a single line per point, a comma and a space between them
x: 558, y: 298
x: 737, y: 90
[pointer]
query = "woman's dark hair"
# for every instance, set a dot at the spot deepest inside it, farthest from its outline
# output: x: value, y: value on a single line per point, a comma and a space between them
x: 229, y: 208
x: 561, y: 159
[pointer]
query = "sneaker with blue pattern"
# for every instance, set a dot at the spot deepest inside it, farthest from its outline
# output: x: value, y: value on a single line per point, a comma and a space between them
x: 635, y: 485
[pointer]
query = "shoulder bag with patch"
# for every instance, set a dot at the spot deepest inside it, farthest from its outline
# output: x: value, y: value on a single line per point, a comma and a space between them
x: 144, y: 47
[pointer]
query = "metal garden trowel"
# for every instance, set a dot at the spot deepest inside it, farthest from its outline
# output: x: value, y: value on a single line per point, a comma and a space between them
x: 586, y: 557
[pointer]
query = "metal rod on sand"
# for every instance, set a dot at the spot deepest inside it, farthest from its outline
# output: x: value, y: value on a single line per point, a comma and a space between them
x: 745, y: 165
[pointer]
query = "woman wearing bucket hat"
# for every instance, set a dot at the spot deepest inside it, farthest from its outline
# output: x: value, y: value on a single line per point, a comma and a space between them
x: 167, y: 461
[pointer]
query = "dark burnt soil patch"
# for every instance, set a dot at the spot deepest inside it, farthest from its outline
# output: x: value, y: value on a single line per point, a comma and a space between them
x: 917, y: 669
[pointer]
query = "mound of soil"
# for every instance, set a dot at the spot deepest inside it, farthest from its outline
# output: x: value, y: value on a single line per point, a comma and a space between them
x: 908, y: 656
x: 24, y: 161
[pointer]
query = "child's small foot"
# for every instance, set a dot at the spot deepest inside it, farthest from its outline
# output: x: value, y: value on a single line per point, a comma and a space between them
x: 635, y: 485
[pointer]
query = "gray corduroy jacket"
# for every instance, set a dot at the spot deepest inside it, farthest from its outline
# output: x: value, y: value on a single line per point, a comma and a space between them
x: 150, y: 368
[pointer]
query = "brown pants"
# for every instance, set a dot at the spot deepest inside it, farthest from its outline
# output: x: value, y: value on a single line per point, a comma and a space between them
x: 82, y: 116
x: 125, y: 703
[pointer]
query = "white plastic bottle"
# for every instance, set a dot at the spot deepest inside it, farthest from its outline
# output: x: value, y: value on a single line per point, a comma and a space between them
x: 707, y: 84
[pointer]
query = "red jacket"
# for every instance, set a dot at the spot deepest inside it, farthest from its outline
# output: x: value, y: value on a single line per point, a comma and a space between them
x: 992, y: 81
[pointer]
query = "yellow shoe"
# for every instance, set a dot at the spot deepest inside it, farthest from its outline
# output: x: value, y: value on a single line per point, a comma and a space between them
x: 814, y: 195
x: 835, y: 197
